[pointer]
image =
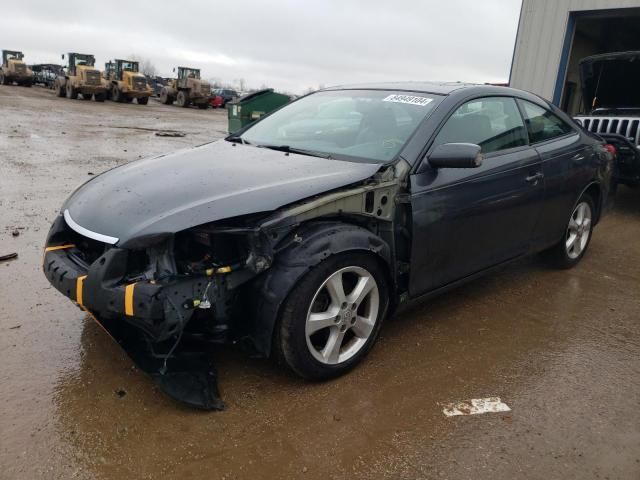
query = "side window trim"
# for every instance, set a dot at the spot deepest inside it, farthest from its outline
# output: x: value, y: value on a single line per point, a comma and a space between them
x: 506, y: 151
x: 465, y: 101
x: 430, y: 144
x: 520, y: 102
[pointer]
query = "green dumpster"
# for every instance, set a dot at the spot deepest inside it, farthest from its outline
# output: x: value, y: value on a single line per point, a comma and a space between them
x: 251, y: 107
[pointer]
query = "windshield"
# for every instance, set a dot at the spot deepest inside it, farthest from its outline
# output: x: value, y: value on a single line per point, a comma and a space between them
x: 83, y: 60
x: 189, y: 73
x: 129, y: 66
x: 371, y: 124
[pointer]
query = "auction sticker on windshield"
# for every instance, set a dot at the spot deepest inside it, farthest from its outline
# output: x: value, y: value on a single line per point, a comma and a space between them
x: 410, y: 99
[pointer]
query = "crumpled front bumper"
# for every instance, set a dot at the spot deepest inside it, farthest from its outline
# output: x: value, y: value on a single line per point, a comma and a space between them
x: 145, y: 318
x: 92, y: 289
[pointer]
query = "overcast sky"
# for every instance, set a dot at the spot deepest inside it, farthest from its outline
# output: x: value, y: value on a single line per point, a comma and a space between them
x: 286, y: 44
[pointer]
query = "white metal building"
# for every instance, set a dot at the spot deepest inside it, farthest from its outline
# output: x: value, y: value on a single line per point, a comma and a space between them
x: 554, y: 35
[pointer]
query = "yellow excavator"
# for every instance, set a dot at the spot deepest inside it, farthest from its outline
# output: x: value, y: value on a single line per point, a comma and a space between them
x: 13, y: 69
x: 81, y: 78
x: 126, y: 82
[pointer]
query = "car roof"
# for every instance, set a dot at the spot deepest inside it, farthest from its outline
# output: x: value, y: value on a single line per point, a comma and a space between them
x: 438, y: 88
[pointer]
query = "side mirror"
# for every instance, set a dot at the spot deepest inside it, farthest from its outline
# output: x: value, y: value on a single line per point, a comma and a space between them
x: 456, y: 155
x: 62, y: 56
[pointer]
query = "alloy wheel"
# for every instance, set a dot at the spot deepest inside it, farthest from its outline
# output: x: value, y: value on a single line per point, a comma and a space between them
x: 579, y: 230
x: 342, y: 315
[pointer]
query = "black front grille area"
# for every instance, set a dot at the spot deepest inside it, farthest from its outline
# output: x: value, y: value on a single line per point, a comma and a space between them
x: 628, y: 127
x: 21, y: 68
x: 139, y: 83
x: 93, y: 77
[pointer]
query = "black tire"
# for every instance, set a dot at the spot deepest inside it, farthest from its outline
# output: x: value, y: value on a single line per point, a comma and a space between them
x: 165, y: 98
x: 3, y: 79
x: 143, y: 100
x: 116, y: 94
x: 183, y: 99
x: 290, y: 336
x: 60, y: 90
x: 562, y: 255
x: 71, y: 92
x: 100, y: 97
x: 87, y: 96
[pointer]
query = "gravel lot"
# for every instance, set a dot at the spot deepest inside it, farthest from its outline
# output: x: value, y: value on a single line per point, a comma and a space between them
x: 561, y: 348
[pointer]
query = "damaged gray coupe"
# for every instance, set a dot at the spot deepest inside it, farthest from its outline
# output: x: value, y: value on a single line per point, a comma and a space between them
x: 298, y: 235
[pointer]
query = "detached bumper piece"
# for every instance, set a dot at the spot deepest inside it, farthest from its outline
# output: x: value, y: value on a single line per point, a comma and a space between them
x: 147, y: 320
x: 185, y: 373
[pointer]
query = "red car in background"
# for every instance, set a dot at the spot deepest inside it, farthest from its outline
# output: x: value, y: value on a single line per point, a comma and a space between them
x: 216, y: 101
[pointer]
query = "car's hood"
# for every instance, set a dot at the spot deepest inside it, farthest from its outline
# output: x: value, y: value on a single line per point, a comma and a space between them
x: 219, y: 180
x: 611, y: 79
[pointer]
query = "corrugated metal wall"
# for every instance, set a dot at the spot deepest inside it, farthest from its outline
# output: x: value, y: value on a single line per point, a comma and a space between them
x: 541, y: 33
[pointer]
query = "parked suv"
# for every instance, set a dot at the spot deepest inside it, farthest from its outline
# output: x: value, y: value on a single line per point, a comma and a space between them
x: 612, y: 100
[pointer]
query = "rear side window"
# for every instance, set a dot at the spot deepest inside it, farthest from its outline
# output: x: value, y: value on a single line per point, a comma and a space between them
x: 543, y: 125
x: 494, y: 123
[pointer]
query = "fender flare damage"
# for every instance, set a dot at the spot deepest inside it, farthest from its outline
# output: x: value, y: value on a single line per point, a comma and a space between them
x: 312, y: 243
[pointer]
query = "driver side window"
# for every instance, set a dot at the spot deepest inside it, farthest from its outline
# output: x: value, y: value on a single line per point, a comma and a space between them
x: 493, y: 123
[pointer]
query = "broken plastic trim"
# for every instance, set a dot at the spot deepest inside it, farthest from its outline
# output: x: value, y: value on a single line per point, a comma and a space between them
x: 185, y: 374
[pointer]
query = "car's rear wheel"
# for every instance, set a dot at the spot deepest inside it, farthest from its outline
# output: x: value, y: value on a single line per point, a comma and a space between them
x: 331, y: 319
x: 573, y: 246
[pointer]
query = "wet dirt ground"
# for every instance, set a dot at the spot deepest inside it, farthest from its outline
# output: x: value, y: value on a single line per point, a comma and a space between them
x: 561, y: 348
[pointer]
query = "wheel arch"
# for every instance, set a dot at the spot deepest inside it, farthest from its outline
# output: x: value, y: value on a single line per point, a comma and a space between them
x: 594, y: 190
x: 311, y: 243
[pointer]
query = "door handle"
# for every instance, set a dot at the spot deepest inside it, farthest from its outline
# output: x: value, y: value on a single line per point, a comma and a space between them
x: 534, y: 178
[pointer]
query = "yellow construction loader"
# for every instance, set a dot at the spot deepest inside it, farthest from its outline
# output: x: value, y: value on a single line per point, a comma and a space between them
x: 81, y: 78
x: 187, y: 89
x: 126, y: 82
x: 13, y: 69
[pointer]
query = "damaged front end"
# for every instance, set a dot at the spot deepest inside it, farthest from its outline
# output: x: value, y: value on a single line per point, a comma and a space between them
x: 167, y: 298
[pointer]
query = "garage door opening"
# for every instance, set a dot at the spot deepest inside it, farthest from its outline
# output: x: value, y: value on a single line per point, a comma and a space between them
x: 594, y: 33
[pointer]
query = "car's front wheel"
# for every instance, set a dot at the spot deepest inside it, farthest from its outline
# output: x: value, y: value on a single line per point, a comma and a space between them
x: 332, y: 317
x: 570, y: 250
